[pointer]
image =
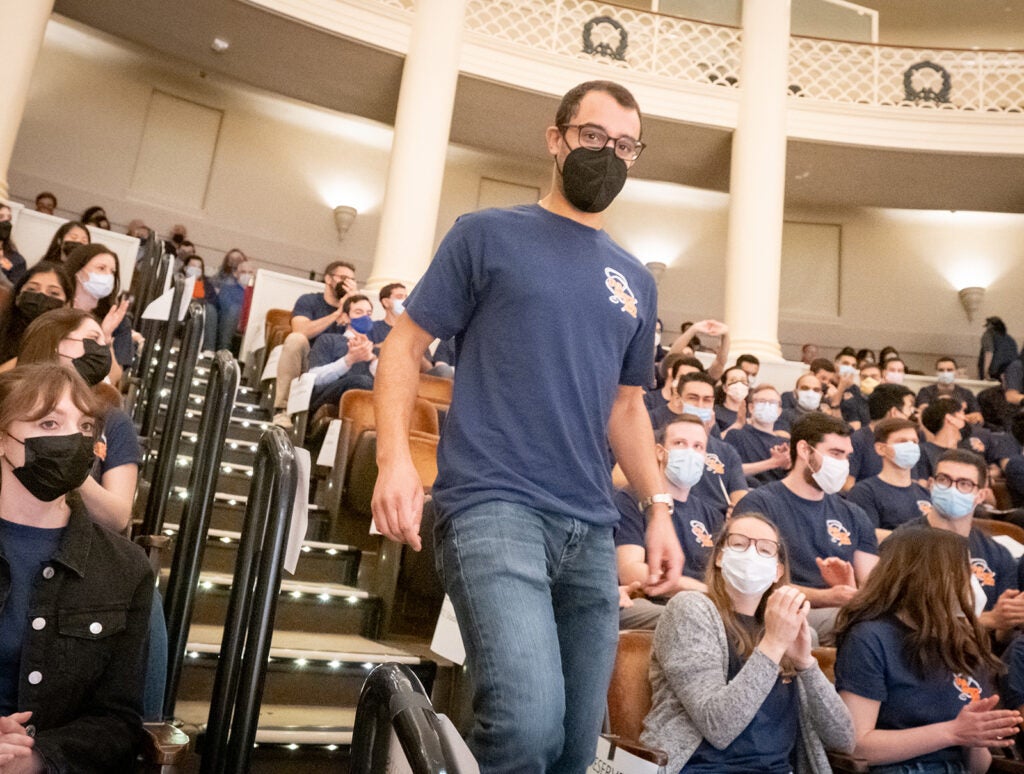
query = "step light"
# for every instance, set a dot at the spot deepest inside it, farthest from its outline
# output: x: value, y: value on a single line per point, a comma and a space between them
x: 334, y: 664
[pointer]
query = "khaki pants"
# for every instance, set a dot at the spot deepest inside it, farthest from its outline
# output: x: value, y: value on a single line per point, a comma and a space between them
x: 294, y: 363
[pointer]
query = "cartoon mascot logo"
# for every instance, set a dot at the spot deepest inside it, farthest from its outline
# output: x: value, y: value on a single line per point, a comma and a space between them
x: 840, y: 535
x: 970, y: 690
x: 701, y: 533
x: 983, y: 572
x: 713, y: 464
x: 621, y: 294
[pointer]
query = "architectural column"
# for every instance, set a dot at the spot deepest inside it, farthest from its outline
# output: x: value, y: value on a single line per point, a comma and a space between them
x: 757, y: 183
x: 21, y: 38
x: 408, y: 221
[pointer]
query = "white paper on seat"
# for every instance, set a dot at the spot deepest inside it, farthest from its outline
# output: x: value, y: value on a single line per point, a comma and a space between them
x: 300, y: 510
x: 301, y: 393
x: 1011, y: 545
x: 160, y: 307
x: 270, y: 369
x: 329, y: 449
x: 447, y: 642
x: 614, y: 760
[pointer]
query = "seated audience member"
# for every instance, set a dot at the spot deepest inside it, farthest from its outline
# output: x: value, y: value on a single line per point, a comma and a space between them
x: 344, y: 361
x: 97, y: 275
x: 12, y: 263
x: 915, y: 667
x: 392, y: 298
x: 234, y: 293
x: 946, y: 427
x: 1014, y: 470
x: 44, y: 287
x: 312, y: 315
x: 764, y: 451
x: 659, y: 350
x: 958, y: 487
x: 68, y: 237
x: 735, y: 685
x: 831, y: 542
x: 723, y: 482
x: 808, y: 400
x: 893, y: 371
x: 95, y: 216
x: 672, y: 366
x: 808, y: 353
x: 886, y: 400
x: 998, y: 349
x: 688, y: 343
x: 824, y: 370
x: 73, y: 642
x: 137, y: 228
x: 886, y: 354
x: 46, y: 202
x: 945, y: 385
x: 203, y: 291
x: 731, y: 400
x: 844, y: 377
x: 681, y: 446
x: 892, y: 496
x: 853, y: 405
x: 442, y: 362
x: 751, y: 367
x: 228, y: 270
x: 1012, y: 380
x: 865, y: 356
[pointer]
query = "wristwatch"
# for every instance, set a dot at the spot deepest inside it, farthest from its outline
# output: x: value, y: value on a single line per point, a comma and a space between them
x: 664, y: 498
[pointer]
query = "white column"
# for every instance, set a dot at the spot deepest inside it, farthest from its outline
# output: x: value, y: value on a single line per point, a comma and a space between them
x: 22, y: 24
x: 757, y: 182
x: 411, y: 199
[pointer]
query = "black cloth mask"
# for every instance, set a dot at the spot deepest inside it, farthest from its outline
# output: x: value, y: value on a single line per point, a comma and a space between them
x: 67, y: 247
x: 94, y: 364
x: 592, y: 179
x: 5, y: 230
x: 54, y: 464
x: 32, y: 304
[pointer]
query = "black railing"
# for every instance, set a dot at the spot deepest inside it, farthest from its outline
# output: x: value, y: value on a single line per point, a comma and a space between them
x: 147, y: 281
x: 393, y: 699
x: 152, y: 381
x: 241, y: 668
x: 177, y: 403
x: 194, y: 525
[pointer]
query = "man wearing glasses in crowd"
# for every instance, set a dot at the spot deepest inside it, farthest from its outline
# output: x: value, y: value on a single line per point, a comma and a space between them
x: 313, y: 314
x: 525, y: 516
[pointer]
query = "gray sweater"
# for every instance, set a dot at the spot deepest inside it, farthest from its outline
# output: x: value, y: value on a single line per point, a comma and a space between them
x: 692, y: 699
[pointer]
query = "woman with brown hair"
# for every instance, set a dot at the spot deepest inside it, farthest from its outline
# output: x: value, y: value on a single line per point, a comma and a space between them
x: 735, y: 686
x: 914, y: 666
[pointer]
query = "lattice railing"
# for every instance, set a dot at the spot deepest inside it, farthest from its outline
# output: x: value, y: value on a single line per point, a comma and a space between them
x: 683, y: 50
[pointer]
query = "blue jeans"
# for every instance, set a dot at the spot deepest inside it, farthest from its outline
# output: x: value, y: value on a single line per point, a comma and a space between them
x: 931, y: 767
x: 536, y: 597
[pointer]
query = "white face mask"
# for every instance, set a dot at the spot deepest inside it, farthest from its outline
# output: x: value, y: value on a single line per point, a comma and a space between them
x: 737, y: 391
x: 684, y: 467
x: 397, y: 306
x: 847, y: 370
x: 751, y: 381
x: 98, y: 285
x: 766, y: 413
x: 832, y: 474
x: 945, y: 377
x: 893, y: 377
x: 809, y: 400
x: 193, y: 271
x: 747, y: 571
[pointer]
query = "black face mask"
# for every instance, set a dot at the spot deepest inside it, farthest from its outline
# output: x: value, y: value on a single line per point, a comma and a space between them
x: 67, y: 247
x: 54, y: 464
x: 339, y: 290
x: 5, y: 230
x: 592, y: 179
x: 94, y: 365
x: 32, y: 304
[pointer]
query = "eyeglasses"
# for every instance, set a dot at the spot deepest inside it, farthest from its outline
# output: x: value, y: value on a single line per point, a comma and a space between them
x: 964, y: 485
x: 593, y: 137
x: 763, y: 546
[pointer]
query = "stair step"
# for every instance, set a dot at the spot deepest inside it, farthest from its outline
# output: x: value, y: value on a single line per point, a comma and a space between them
x: 286, y: 724
x: 229, y: 512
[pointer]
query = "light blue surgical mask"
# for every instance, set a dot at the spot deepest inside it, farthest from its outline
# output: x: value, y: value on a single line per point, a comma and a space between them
x: 951, y: 502
x: 906, y: 454
x: 98, y: 285
x: 945, y: 377
x: 703, y: 414
x: 684, y: 467
x: 847, y: 370
x: 397, y: 306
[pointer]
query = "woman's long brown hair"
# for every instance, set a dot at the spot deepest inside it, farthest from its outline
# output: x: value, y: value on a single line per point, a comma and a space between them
x: 739, y: 636
x: 923, y: 578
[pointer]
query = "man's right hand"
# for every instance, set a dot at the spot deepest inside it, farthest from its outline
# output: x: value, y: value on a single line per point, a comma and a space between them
x: 360, y: 350
x: 397, y: 503
x: 1007, y: 613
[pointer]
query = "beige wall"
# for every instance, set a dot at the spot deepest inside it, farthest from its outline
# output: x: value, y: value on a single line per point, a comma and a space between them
x: 280, y: 166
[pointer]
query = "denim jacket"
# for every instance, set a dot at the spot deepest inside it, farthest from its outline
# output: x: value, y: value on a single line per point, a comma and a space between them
x: 84, y: 656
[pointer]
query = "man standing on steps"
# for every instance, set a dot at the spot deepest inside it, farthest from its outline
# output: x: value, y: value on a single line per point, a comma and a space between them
x: 525, y: 515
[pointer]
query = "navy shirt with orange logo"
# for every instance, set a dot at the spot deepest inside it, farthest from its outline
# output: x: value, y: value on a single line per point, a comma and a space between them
x: 812, y: 528
x: 695, y: 521
x: 889, y: 506
x: 872, y: 662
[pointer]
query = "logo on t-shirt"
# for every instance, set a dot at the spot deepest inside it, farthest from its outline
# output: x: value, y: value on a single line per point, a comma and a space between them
x: 969, y: 688
x: 621, y: 294
x: 713, y: 464
x: 924, y: 507
x: 701, y: 533
x: 977, y: 445
x: 983, y: 572
x: 840, y: 535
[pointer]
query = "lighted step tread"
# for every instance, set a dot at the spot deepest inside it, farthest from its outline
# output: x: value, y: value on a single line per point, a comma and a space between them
x: 286, y: 723
x: 290, y: 586
x: 236, y: 499
x: 171, y: 528
x: 313, y: 646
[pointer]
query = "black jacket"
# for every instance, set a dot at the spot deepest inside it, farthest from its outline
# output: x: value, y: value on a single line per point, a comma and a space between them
x: 83, y: 663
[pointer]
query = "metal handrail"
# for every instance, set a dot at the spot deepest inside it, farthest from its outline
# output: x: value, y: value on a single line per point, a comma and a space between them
x: 393, y: 698
x: 241, y: 668
x: 150, y: 330
x: 179, y: 601
x: 155, y: 381
x: 177, y: 402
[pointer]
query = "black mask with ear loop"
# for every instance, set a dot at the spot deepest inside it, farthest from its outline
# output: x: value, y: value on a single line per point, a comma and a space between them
x: 591, y: 179
x: 54, y: 464
x: 94, y: 364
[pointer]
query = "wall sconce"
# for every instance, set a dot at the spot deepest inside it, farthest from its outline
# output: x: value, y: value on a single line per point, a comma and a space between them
x: 343, y: 218
x: 657, y: 270
x: 971, y: 298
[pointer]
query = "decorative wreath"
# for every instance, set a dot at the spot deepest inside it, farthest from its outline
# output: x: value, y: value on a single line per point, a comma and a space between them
x: 926, y: 93
x: 604, y: 49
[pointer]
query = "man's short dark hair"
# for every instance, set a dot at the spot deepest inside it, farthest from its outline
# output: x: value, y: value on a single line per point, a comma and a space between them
x: 333, y: 265
x: 946, y: 359
x: 747, y: 358
x: 822, y: 364
x: 846, y: 352
x: 966, y: 457
x: 813, y: 427
x: 570, y: 104
x: 387, y: 290
x: 673, y: 361
x: 660, y: 433
x: 696, y: 376
x: 891, y: 425
x: 347, y: 304
x: 46, y: 195
x: 885, y: 397
x: 937, y: 411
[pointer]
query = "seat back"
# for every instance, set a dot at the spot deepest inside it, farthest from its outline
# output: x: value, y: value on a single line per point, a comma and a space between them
x: 437, y: 390
x: 993, y: 527
x: 278, y: 326
x: 629, y: 693
x: 826, y: 658
x: 357, y: 406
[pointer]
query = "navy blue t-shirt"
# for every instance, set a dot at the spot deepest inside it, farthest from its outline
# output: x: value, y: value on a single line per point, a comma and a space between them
x: 314, y: 306
x: 724, y: 417
x: 653, y: 399
x: 889, y: 506
x: 121, y: 443
x: 1014, y: 472
x: 529, y: 424
x: 854, y: 406
x: 930, y: 392
x: 379, y: 332
x: 722, y: 468
x: 864, y: 461
x: 872, y: 662
x: 1013, y: 376
x: 695, y: 521
x: 754, y: 445
x: 24, y: 548
x: 1011, y: 684
x: 812, y: 528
